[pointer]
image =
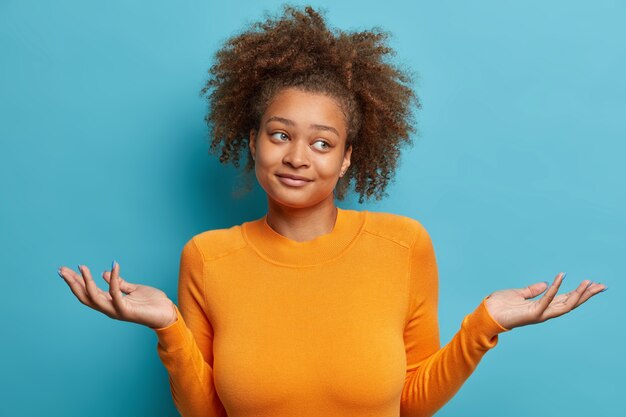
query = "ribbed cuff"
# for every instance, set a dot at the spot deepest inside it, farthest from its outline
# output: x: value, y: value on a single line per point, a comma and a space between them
x: 483, y: 327
x: 174, y: 336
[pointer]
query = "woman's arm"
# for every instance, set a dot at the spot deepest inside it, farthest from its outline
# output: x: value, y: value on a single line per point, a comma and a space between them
x: 435, y: 374
x: 187, y: 358
x: 185, y: 346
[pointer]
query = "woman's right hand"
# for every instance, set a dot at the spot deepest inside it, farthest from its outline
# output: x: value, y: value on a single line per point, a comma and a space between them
x: 141, y: 304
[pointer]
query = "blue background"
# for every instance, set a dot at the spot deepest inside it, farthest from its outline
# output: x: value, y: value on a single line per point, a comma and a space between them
x: 517, y: 173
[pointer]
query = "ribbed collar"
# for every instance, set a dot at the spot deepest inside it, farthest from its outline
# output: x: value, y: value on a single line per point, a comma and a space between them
x: 276, y: 248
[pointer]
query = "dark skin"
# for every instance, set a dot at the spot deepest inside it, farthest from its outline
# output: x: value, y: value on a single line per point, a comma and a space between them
x: 301, y: 134
x: 304, y: 134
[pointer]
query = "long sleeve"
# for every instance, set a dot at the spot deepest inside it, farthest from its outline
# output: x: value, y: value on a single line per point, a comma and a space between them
x: 185, y: 346
x: 434, y: 373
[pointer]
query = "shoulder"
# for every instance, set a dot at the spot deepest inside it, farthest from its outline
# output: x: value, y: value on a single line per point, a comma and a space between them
x: 212, y: 244
x: 401, y: 229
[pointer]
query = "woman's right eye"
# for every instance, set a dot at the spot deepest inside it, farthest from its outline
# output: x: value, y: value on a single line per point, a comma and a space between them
x: 280, y: 135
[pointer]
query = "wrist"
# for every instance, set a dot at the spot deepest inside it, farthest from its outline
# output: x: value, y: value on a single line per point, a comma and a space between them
x: 173, y: 319
x: 491, y: 312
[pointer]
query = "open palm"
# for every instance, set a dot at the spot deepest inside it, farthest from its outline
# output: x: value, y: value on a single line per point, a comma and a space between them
x: 515, y: 307
x: 141, y: 304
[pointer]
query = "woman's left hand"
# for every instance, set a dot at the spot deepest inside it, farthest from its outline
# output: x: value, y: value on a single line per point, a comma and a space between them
x: 513, y: 308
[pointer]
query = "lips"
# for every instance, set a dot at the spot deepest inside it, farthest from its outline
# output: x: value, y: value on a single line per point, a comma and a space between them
x: 293, y: 177
x: 293, y: 180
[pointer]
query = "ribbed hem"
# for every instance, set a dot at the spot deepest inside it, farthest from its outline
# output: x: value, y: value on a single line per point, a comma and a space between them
x: 175, y: 335
x: 483, y: 327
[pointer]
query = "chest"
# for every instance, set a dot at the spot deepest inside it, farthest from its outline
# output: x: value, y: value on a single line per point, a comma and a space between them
x: 284, y: 337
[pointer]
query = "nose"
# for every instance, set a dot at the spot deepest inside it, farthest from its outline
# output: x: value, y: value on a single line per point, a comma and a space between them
x: 296, y: 154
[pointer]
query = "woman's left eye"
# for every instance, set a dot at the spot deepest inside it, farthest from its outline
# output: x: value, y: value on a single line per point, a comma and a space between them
x: 279, y: 135
x: 324, y: 146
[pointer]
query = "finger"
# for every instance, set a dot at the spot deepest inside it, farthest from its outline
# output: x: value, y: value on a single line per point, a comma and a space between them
x: 114, y: 288
x: 90, y: 285
x: 593, y: 289
x: 125, y: 286
x: 565, y: 302
x: 98, y: 300
x: 567, y: 297
x: 533, y: 290
x: 548, y: 296
x: 77, y: 286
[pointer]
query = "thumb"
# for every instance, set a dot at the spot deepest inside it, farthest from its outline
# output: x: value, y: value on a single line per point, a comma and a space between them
x: 125, y: 286
x: 534, y: 290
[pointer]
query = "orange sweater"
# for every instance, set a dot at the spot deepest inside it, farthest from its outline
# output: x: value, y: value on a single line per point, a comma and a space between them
x: 341, y: 325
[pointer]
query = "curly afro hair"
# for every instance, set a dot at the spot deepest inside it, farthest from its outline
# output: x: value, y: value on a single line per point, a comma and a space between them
x: 298, y: 50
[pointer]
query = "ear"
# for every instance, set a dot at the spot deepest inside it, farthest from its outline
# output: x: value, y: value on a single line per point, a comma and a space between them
x: 346, y: 159
x: 252, y: 143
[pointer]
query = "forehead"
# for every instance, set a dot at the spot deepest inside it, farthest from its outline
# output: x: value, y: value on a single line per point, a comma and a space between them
x: 306, y: 108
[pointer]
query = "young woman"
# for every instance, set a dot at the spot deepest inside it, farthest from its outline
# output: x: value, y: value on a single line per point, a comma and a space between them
x: 313, y: 310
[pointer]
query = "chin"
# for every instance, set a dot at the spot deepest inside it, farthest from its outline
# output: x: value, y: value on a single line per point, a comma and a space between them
x: 295, y: 198
x: 293, y: 202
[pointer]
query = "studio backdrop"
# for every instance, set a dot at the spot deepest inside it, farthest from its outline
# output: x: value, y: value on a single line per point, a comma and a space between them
x: 516, y: 170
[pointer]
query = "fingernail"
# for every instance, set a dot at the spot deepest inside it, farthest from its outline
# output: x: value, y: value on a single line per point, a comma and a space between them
x: 59, y: 272
x: 112, y: 265
x: 605, y: 288
x: 547, y: 283
x: 563, y: 277
x: 79, y: 268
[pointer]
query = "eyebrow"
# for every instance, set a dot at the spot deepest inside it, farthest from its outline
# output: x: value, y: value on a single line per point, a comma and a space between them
x: 292, y: 123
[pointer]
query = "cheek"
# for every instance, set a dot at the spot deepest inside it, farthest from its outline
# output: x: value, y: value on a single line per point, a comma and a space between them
x: 265, y: 162
x: 329, y: 168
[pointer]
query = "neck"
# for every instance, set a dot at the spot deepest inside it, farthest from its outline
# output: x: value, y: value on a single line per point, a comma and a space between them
x: 302, y: 224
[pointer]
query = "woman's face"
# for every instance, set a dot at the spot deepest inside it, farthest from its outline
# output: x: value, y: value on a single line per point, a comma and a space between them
x: 301, y: 134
